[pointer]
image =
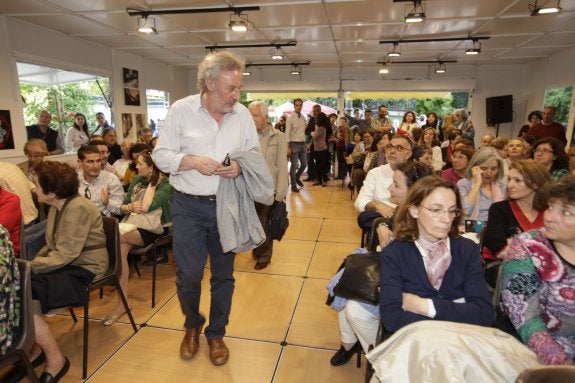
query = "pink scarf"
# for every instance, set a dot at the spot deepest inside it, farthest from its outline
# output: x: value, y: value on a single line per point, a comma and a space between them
x: 438, y: 260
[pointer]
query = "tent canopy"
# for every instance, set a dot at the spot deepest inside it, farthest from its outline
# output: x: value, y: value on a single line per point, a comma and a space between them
x: 288, y: 108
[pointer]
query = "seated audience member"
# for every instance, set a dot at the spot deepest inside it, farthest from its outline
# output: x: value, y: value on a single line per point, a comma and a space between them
x: 432, y: 121
x: 75, y: 253
x: 416, y: 133
x: 482, y: 185
x: 132, y: 170
x: 149, y: 191
x: 35, y: 149
x: 464, y: 124
x: 78, y: 134
x: 517, y: 149
x: 374, y: 195
x: 522, y: 211
x: 534, y: 118
x: 43, y: 131
x: 104, y: 154
x: 429, y: 139
x: 500, y: 144
x: 9, y: 294
x: 114, y: 150
x: 99, y: 186
x: 358, y: 321
x: 13, y: 180
x: 359, y: 156
x: 121, y: 165
x: 447, y: 151
x: 423, y: 154
x: 428, y: 271
x: 538, y: 279
x: 11, y: 216
x: 550, y: 152
x: 486, y: 140
x: 448, y: 126
x: 459, y: 161
x: 407, y: 123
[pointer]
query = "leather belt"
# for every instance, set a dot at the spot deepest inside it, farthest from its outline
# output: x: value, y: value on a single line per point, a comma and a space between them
x: 211, y: 197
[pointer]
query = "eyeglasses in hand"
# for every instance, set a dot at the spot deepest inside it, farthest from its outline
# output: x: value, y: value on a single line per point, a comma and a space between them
x: 87, y: 193
x: 226, y: 161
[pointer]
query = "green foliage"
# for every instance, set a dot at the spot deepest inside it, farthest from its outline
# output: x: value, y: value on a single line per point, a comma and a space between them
x: 63, y: 102
x: 441, y: 106
x: 460, y: 100
x: 561, y: 99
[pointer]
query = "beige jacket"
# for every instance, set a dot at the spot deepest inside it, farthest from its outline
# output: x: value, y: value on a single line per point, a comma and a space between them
x: 274, y: 150
x: 74, y: 236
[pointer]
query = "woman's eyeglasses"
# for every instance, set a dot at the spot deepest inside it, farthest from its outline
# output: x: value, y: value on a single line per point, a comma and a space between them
x: 397, y: 148
x: 436, y: 213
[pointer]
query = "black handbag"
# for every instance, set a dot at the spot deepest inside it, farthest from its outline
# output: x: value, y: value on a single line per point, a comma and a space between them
x: 360, y: 278
x: 279, y: 221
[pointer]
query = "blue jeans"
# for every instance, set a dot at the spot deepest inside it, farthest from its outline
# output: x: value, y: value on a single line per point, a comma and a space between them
x: 195, y: 233
x: 298, y: 153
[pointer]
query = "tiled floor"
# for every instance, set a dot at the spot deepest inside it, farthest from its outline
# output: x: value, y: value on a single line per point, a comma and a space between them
x: 280, y: 329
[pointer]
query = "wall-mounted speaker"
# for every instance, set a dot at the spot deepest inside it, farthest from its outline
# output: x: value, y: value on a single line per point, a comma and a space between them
x: 499, y: 109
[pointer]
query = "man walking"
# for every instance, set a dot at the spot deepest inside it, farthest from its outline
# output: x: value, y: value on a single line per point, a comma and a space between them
x: 295, y: 136
x: 274, y: 150
x: 198, y: 133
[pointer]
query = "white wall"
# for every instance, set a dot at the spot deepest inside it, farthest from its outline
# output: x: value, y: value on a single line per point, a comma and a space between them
x: 20, y: 41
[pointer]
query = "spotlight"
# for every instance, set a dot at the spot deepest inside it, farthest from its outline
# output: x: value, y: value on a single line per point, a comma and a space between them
x: 394, y: 52
x: 542, y: 9
x: 440, y: 68
x: 147, y: 25
x: 295, y: 70
x: 415, y: 14
x: 238, y: 23
x: 247, y: 72
x: 238, y: 26
x: 383, y: 69
x: 277, y: 54
x: 475, y: 49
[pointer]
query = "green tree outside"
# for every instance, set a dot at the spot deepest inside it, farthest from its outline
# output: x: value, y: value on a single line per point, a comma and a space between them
x: 561, y: 99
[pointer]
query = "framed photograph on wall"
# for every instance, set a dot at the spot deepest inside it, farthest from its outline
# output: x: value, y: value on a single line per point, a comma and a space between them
x: 140, y: 124
x: 128, y: 131
x: 131, y: 87
x: 6, y: 133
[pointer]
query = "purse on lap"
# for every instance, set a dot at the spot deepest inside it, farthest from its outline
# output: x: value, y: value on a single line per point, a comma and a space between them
x: 360, y: 278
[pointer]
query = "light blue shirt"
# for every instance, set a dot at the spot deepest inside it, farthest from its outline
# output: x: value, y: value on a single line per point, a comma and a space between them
x: 190, y: 129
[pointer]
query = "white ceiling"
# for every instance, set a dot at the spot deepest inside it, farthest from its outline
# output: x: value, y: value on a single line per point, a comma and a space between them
x: 329, y: 33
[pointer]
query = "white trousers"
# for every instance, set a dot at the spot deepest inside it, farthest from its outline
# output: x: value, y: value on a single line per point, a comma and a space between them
x: 356, y: 323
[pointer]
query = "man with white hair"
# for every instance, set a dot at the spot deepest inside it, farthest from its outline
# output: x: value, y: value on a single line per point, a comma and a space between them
x: 274, y: 149
x: 198, y: 134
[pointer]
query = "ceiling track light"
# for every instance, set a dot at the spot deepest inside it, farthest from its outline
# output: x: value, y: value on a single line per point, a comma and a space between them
x: 147, y: 25
x: 415, y: 13
x: 441, y: 39
x: 474, y: 49
x: 266, y: 45
x: 294, y: 63
x: 394, y: 52
x: 384, y: 68
x: 440, y: 68
x: 295, y: 70
x: 543, y: 9
x: 239, y: 22
x: 247, y: 72
x: 277, y: 53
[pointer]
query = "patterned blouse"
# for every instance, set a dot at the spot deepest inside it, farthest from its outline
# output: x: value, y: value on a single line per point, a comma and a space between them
x: 9, y: 294
x: 538, y: 294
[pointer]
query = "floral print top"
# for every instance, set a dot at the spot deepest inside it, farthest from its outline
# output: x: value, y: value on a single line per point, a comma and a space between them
x: 538, y: 294
x: 9, y: 294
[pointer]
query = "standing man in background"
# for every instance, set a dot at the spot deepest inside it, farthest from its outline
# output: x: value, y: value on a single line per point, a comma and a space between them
x: 102, y: 124
x: 50, y: 136
x: 198, y: 133
x: 274, y: 149
x: 295, y: 136
x: 547, y: 127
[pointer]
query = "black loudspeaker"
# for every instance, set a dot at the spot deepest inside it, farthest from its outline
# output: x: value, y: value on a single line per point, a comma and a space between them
x: 499, y: 109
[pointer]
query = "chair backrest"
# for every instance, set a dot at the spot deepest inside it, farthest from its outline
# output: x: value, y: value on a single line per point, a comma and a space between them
x: 373, y: 238
x: 22, y: 254
x: 26, y: 339
x: 112, y: 231
x: 545, y: 374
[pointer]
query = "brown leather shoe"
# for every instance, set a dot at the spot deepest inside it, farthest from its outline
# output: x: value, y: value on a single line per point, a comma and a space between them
x: 190, y: 343
x: 219, y: 353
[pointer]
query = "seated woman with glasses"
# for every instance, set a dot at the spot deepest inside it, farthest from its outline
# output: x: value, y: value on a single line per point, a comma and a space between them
x: 74, y: 254
x: 550, y: 152
x: 538, y: 279
x: 150, y: 190
x: 359, y: 321
x: 429, y: 271
x: 482, y: 185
